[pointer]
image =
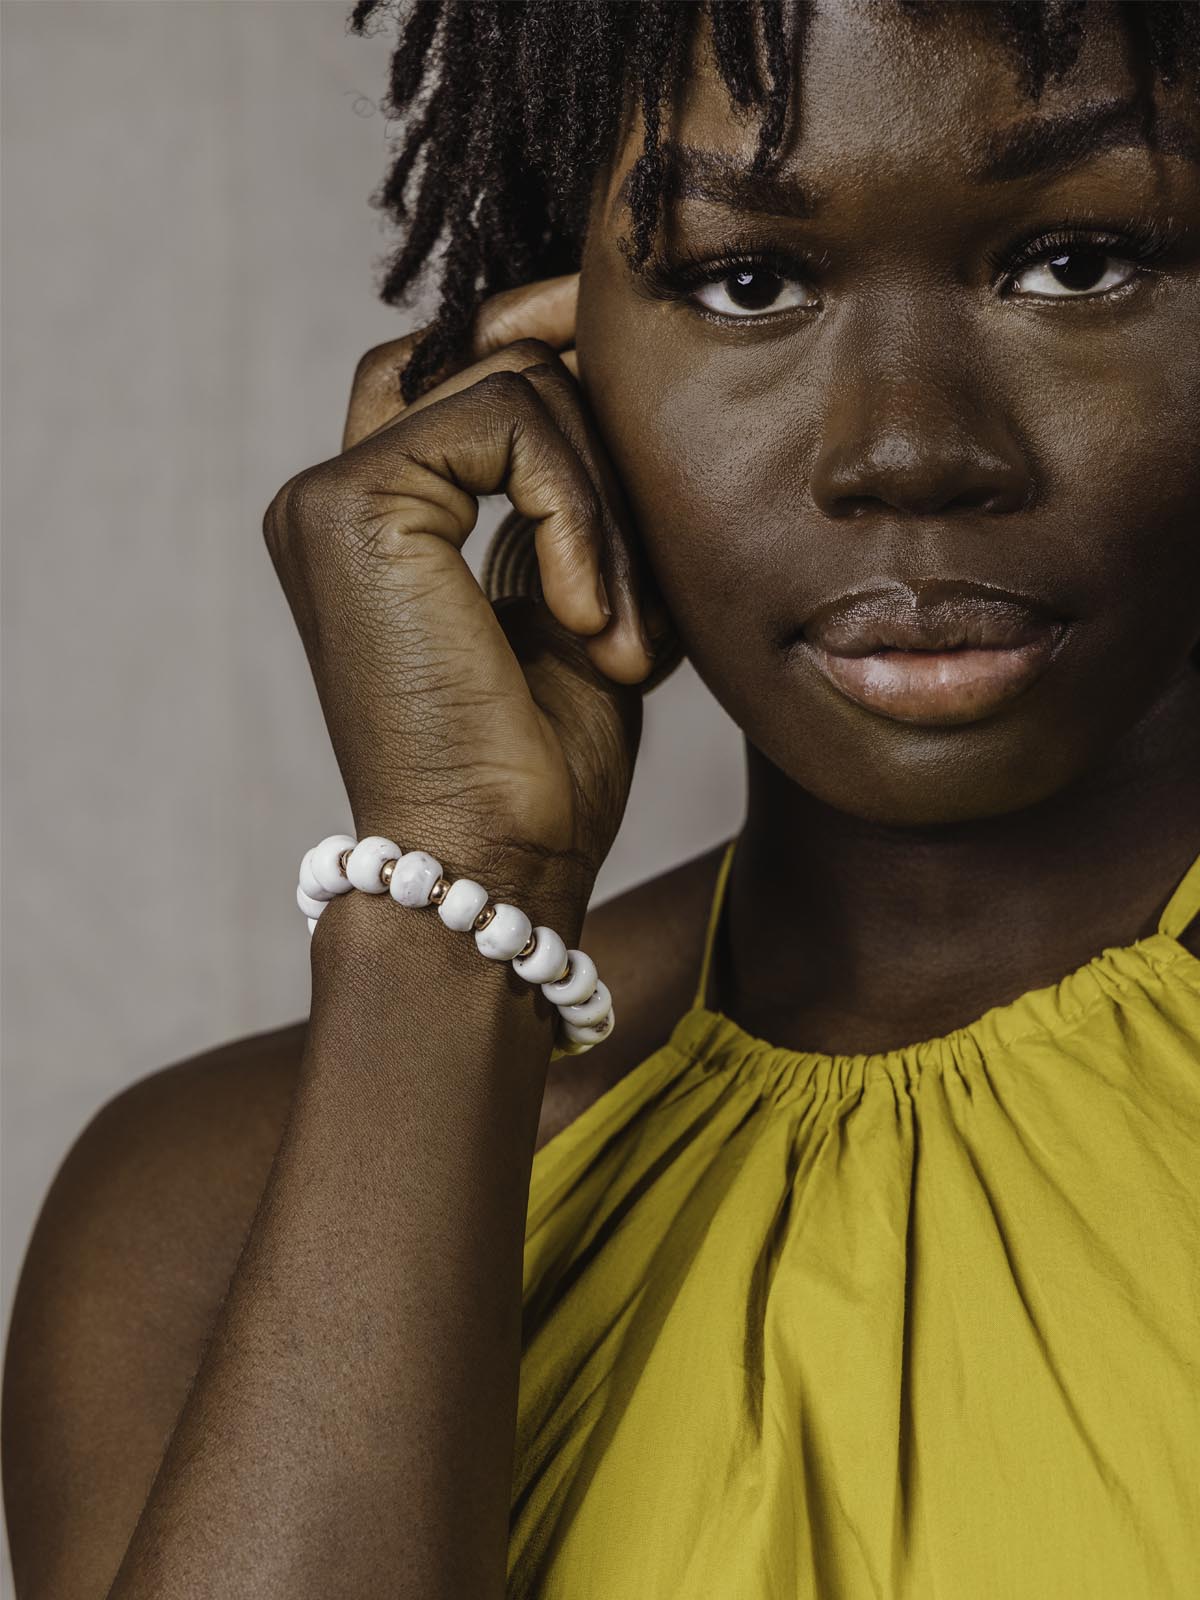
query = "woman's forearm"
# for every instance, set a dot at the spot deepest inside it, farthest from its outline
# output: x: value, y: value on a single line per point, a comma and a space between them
x: 350, y: 1428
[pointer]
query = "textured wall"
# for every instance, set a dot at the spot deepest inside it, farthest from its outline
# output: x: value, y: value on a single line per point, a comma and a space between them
x: 187, y: 287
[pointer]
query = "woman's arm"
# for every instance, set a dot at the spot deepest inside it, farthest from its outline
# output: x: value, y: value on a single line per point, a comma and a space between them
x: 350, y: 1428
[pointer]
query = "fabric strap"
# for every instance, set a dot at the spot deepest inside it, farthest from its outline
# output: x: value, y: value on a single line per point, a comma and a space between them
x: 714, y: 916
x: 1183, y: 904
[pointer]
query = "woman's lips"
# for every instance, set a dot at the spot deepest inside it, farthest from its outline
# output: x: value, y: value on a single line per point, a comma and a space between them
x: 939, y: 686
x: 950, y: 662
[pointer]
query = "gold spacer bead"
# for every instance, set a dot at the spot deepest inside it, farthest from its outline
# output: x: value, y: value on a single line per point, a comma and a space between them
x: 342, y: 860
x: 386, y: 871
x: 484, y: 917
x: 563, y: 973
x: 527, y: 948
x: 440, y: 890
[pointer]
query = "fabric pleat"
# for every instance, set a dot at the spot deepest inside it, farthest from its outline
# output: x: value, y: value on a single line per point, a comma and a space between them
x: 921, y: 1324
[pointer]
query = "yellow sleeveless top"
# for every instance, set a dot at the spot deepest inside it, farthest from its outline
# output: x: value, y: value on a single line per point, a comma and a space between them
x: 920, y: 1323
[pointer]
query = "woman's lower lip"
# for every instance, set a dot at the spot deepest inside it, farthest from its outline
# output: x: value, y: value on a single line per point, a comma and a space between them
x: 942, y: 687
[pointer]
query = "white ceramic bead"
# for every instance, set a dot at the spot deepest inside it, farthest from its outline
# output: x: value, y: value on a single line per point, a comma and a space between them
x: 465, y: 899
x: 583, y: 1035
x: 588, y: 1012
x: 312, y: 923
x: 505, y: 934
x: 546, y: 962
x: 415, y: 875
x: 578, y: 983
x: 324, y: 865
x: 309, y: 906
x: 366, y: 858
x: 309, y: 883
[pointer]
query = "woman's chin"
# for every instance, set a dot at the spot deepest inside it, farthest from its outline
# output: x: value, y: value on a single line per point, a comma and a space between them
x: 907, y: 774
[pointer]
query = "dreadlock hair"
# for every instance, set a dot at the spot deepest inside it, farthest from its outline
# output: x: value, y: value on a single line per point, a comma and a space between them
x: 511, y: 106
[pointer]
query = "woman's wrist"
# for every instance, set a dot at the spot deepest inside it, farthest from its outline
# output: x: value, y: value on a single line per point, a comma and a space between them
x: 546, y: 883
x: 363, y: 900
x: 379, y: 980
x: 366, y: 927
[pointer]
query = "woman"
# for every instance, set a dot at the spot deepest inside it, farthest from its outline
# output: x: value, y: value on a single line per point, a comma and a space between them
x: 879, y: 389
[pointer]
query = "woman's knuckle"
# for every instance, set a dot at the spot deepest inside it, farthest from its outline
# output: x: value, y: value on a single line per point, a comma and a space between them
x: 533, y: 352
x: 308, y: 503
x: 323, y: 503
x: 545, y: 372
x: 366, y: 366
x: 277, y: 515
x: 379, y: 361
x: 505, y: 387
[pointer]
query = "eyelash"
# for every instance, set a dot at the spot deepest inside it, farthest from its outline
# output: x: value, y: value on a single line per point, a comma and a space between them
x: 1140, y: 240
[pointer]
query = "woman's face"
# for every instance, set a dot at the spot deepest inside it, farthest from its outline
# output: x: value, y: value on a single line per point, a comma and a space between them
x: 896, y: 397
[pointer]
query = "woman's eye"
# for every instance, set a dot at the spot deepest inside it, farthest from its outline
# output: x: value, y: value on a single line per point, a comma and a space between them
x: 1070, y: 274
x: 748, y: 291
x: 1064, y: 270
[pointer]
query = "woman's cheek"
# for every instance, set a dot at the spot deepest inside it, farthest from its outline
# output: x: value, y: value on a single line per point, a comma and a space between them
x: 1119, y: 483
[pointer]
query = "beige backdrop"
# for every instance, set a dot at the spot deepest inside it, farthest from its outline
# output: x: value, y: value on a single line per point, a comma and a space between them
x: 188, y: 282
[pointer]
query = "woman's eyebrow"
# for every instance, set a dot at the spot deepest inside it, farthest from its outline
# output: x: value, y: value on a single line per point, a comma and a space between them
x: 1037, y: 145
x: 1053, y: 144
x: 692, y: 173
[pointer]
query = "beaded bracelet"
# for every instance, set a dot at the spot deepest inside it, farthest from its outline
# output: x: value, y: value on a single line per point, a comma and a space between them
x: 502, y: 932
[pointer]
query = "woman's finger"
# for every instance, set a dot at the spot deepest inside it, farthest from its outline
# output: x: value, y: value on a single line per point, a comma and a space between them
x: 498, y: 436
x: 623, y: 649
x: 544, y: 310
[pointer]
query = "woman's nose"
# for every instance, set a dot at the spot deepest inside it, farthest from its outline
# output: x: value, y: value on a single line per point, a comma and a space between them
x: 915, y: 443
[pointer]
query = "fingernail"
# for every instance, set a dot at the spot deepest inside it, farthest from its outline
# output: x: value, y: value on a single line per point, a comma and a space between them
x: 602, y: 595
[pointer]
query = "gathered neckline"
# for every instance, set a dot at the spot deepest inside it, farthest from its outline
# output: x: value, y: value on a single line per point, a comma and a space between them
x: 713, y: 1040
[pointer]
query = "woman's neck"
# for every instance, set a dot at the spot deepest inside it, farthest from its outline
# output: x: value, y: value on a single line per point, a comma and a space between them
x: 847, y: 935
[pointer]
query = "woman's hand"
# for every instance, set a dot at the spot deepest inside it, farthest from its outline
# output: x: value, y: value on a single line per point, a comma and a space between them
x: 502, y: 738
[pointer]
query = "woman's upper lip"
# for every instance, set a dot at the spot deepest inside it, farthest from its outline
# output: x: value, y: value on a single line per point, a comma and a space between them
x: 935, y: 614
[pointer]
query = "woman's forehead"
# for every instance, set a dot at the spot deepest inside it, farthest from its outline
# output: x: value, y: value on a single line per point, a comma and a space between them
x: 933, y: 87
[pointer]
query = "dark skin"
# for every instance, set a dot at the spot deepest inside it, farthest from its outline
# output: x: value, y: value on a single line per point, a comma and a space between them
x: 900, y: 416
x: 934, y: 872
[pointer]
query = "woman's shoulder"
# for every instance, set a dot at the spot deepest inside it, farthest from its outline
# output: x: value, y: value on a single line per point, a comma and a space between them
x: 131, y: 1254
